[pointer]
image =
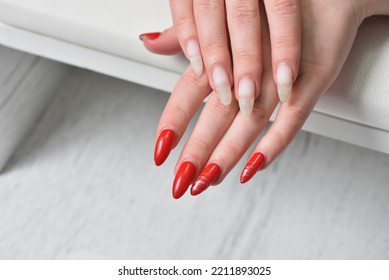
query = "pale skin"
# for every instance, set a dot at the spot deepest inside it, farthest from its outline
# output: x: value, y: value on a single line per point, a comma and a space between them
x: 204, y: 37
x: 223, y: 134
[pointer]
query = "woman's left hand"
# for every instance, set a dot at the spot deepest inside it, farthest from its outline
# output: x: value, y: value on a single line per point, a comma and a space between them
x: 222, y: 135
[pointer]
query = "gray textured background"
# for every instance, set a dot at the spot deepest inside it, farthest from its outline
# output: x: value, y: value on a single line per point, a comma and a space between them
x: 84, y: 180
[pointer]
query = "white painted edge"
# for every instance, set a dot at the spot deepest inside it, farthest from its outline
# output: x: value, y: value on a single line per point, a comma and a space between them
x: 83, y: 57
x: 162, y: 79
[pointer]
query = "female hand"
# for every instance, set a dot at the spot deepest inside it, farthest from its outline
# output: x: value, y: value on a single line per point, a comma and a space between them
x: 208, y: 29
x: 221, y: 136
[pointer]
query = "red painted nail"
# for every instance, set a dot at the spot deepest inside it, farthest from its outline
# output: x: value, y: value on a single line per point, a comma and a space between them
x: 255, y: 163
x: 184, y: 177
x: 163, y: 146
x: 149, y: 36
x: 206, y: 178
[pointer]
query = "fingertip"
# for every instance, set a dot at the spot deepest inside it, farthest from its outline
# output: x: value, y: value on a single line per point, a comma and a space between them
x: 149, y: 36
x: 165, y: 42
x: 256, y: 163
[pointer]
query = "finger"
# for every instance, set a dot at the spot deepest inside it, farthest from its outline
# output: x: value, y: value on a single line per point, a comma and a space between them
x: 212, y: 124
x: 185, y: 27
x: 243, y: 130
x: 289, y: 120
x: 186, y: 98
x: 235, y: 142
x: 244, y: 25
x: 284, y: 18
x: 161, y: 43
x: 243, y: 133
x: 212, y: 32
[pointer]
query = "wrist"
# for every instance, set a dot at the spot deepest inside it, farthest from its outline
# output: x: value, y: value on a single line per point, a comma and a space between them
x: 376, y: 7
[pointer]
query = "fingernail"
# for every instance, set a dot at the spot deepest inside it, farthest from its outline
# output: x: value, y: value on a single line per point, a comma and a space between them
x: 149, y: 36
x: 246, y: 95
x: 284, y: 81
x: 163, y: 146
x: 183, y: 179
x: 194, y: 56
x: 255, y: 163
x: 222, y: 84
x: 206, y: 178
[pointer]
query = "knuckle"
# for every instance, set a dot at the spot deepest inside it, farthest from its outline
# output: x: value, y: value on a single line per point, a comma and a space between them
x: 247, y: 57
x: 212, y: 48
x: 280, y: 139
x: 298, y: 113
x: 284, y: 7
x: 219, y: 110
x: 242, y: 12
x: 315, y: 66
x: 182, y: 22
x: 231, y: 150
x: 286, y: 42
x: 195, y: 82
x: 356, y: 11
x: 208, y: 5
x: 200, y: 146
x: 180, y: 113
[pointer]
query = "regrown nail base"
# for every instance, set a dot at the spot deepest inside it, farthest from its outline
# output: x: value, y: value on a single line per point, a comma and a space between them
x: 222, y: 85
x: 206, y: 178
x: 194, y: 56
x: 163, y: 146
x: 255, y: 163
x: 284, y: 81
x: 246, y: 95
x: 184, y: 178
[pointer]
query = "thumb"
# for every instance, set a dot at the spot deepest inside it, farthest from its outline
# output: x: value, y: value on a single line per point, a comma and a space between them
x: 161, y: 43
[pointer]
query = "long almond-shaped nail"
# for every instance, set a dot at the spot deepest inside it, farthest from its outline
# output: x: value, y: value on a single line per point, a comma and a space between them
x: 194, y: 56
x: 163, y: 146
x: 184, y: 178
x: 255, y: 163
x: 222, y: 84
x: 206, y: 178
x: 149, y: 36
x: 284, y: 81
x: 246, y: 95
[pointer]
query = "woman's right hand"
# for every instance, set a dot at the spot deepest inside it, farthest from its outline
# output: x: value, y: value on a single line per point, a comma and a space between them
x: 223, y: 39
